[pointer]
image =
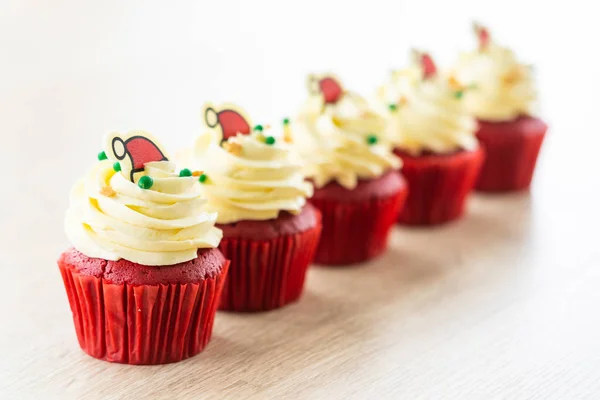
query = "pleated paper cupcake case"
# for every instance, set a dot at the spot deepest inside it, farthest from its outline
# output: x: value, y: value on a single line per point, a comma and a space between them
x: 142, y: 324
x: 356, y: 231
x: 267, y: 274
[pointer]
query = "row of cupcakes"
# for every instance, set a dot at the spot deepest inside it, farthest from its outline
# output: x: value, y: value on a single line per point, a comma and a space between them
x: 159, y: 247
x: 488, y: 94
x: 472, y: 126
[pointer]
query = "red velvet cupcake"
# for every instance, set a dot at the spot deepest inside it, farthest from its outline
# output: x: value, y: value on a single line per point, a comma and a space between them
x: 144, y: 277
x: 503, y: 101
x: 435, y: 137
x: 512, y: 149
x: 359, y: 190
x: 255, y: 183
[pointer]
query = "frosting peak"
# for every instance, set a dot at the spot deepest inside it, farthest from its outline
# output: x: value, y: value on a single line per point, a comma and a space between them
x: 342, y: 141
x: 427, y: 111
x: 250, y: 176
x: 504, y: 88
x: 112, y: 217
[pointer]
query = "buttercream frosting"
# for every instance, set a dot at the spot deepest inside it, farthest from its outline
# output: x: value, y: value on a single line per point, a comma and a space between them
x: 426, y: 109
x: 504, y: 88
x: 250, y: 176
x: 111, y: 217
x: 343, y: 141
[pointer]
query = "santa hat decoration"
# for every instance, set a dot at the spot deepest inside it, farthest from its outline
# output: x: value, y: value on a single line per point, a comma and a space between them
x: 426, y: 63
x: 229, y: 118
x: 327, y: 86
x: 132, y: 151
x: 483, y: 36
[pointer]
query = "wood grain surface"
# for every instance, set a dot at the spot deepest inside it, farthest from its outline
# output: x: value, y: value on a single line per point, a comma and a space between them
x: 502, y: 304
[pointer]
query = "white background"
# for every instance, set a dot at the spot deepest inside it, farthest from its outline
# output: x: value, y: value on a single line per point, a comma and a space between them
x: 146, y: 64
x: 71, y: 70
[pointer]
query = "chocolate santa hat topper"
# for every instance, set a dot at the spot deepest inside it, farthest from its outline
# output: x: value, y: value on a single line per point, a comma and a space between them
x: 425, y: 62
x: 132, y: 151
x: 327, y: 86
x: 228, y: 119
x: 483, y: 35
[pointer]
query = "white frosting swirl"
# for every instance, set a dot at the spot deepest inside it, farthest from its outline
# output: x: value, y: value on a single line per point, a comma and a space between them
x: 397, y: 88
x: 504, y: 88
x: 248, y: 179
x: 430, y: 114
x: 111, y: 217
x: 343, y: 142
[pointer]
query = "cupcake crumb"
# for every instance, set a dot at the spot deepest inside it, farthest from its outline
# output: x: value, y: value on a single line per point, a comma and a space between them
x: 107, y: 191
x: 233, y: 148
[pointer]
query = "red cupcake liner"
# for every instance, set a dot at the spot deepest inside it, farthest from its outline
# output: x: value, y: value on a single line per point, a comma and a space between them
x: 354, y: 232
x: 267, y: 274
x: 512, y: 150
x: 142, y: 324
x: 438, y: 185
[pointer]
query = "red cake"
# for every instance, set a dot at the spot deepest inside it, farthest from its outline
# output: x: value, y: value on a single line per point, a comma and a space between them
x: 284, y: 225
x: 357, y: 222
x: 209, y: 264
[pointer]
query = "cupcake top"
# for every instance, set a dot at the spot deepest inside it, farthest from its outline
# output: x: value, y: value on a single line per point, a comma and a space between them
x: 427, y: 111
x: 340, y: 137
x: 250, y: 173
x: 134, y: 205
x: 504, y: 88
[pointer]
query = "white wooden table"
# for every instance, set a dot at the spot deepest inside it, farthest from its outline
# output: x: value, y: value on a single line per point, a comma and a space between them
x: 500, y: 305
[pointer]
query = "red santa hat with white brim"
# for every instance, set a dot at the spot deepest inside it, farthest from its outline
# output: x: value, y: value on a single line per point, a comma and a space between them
x: 133, y: 150
x: 229, y: 118
x: 327, y: 86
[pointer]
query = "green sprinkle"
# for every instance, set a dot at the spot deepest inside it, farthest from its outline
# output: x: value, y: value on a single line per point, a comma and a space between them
x: 286, y: 121
x: 258, y: 128
x: 117, y: 166
x: 185, y: 172
x: 270, y: 140
x: 458, y: 94
x: 102, y: 156
x: 203, y: 178
x: 371, y: 139
x: 393, y: 107
x: 472, y: 86
x: 145, y: 182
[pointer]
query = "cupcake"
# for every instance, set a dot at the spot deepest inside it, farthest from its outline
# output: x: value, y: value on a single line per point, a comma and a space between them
x: 254, y: 181
x: 358, y: 187
x: 144, y: 275
x: 503, y: 101
x: 435, y: 137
